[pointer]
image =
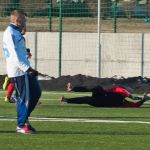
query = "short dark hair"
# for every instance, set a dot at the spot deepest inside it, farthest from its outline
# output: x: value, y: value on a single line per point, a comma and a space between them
x: 18, y: 12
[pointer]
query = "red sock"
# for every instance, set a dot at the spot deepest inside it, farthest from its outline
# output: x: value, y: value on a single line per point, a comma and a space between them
x: 10, y: 89
x: 132, y: 104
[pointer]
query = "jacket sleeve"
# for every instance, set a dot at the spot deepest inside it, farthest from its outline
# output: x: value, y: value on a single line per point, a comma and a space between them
x: 13, y: 53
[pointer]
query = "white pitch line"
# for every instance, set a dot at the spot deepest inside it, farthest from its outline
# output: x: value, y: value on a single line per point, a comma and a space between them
x: 2, y: 118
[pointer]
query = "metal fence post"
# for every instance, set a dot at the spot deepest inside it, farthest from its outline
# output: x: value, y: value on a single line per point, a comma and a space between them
x: 115, y: 16
x: 142, y: 56
x: 60, y: 37
x: 99, y: 43
x: 35, y: 60
x: 50, y: 15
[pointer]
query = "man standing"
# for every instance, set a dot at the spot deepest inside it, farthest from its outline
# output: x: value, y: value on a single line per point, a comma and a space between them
x: 19, y: 71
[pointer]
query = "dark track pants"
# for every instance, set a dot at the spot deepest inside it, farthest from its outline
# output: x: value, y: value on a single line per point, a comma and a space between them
x: 28, y: 93
x: 79, y: 100
x: 104, y: 100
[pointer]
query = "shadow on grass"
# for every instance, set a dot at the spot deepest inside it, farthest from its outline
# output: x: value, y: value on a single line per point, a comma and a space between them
x: 86, y: 106
x: 7, y: 132
x: 60, y: 133
x: 112, y: 133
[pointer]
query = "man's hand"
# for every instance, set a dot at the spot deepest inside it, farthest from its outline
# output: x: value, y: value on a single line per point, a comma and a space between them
x: 29, y: 55
x: 32, y: 72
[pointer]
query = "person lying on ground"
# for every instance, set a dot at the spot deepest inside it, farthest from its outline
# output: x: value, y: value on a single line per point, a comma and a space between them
x: 124, y: 90
x: 104, y: 98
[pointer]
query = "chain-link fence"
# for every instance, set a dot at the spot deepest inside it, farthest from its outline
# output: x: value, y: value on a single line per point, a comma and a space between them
x: 44, y: 15
x: 81, y: 15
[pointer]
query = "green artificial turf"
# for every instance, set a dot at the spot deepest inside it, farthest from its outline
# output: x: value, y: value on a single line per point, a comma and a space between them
x: 63, y: 135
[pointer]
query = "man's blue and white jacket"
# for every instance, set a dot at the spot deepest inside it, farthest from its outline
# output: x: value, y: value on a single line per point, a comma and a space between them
x: 15, y: 52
